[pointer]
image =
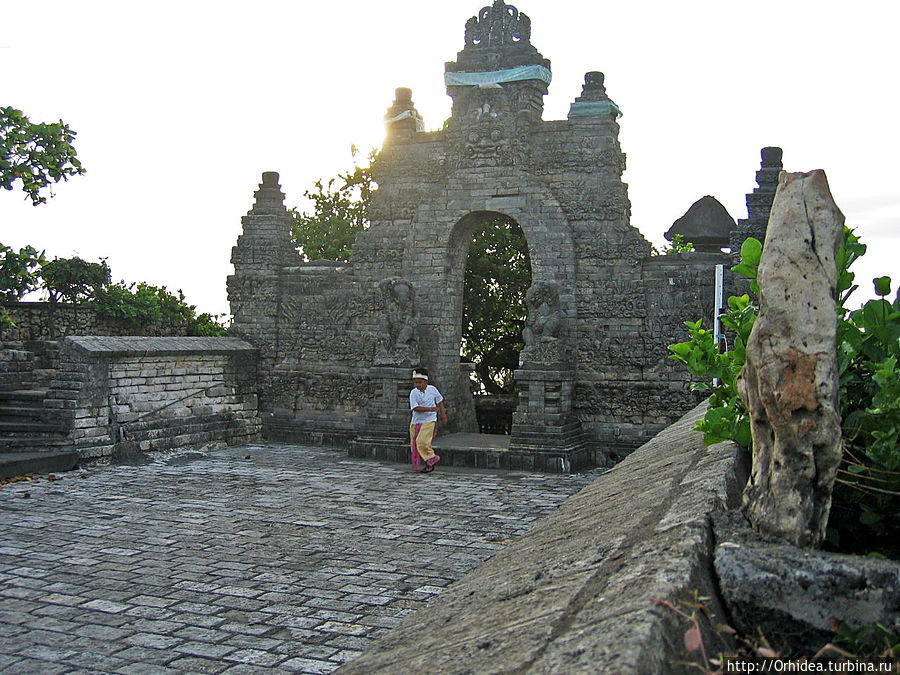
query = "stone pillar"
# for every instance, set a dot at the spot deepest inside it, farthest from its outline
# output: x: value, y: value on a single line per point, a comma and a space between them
x: 790, y: 382
x: 543, y: 426
x: 385, y: 433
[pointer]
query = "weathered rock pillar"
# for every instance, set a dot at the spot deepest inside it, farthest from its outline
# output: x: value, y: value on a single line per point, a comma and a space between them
x: 789, y: 382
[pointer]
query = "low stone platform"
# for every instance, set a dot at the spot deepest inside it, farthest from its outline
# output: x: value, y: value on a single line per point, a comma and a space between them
x: 479, y: 451
x: 492, y: 451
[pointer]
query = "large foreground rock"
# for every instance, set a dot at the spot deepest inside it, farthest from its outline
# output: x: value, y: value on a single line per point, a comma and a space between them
x: 790, y: 382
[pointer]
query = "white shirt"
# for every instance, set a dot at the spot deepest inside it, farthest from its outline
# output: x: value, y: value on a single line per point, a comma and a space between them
x: 427, y: 399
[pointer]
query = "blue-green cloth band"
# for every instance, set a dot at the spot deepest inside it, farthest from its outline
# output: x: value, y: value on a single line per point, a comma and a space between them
x: 497, y: 76
x: 593, y: 109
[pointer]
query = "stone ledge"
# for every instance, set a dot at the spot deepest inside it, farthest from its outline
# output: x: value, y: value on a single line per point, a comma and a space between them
x: 577, y: 593
x: 156, y: 346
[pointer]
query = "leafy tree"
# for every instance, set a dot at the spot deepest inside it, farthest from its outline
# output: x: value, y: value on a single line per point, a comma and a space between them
x: 498, y: 274
x: 19, y: 272
x: 36, y: 154
x: 340, y: 212
x: 74, y: 279
x: 498, y: 271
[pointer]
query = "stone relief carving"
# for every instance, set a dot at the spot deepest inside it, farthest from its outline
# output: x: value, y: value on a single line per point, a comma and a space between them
x: 585, y: 201
x: 296, y: 391
x: 397, y: 343
x: 612, y: 298
x: 544, y: 325
x: 489, y: 146
x: 584, y: 158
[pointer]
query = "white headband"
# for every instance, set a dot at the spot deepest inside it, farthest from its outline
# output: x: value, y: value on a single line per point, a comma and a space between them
x: 417, y: 376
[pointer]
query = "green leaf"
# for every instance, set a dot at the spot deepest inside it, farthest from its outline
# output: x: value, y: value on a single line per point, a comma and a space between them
x: 882, y: 286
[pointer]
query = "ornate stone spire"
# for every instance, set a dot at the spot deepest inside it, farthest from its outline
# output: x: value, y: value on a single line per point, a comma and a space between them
x: 497, y: 38
x: 266, y: 237
x: 269, y: 199
x: 498, y: 55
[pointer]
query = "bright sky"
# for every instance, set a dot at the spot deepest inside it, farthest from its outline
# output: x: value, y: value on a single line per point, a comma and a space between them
x: 180, y: 107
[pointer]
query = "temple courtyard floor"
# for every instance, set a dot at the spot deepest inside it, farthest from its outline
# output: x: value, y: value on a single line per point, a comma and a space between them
x: 266, y: 558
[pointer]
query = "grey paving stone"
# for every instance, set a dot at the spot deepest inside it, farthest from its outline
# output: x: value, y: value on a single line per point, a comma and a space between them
x: 293, y: 561
x: 196, y: 664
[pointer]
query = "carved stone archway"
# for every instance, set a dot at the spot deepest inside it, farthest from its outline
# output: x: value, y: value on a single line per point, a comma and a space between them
x: 597, y: 381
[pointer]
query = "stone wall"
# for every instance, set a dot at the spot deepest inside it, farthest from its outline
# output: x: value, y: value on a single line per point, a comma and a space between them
x: 36, y: 321
x: 156, y: 393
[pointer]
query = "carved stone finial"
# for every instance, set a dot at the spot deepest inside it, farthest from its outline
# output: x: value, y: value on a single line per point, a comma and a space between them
x: 594, y: 101
x: 497, y: 25
x: 403, y: 95
x: 269, y: 198
x: 759, y: 202
x: 593, y: 79
x: 402, y: 115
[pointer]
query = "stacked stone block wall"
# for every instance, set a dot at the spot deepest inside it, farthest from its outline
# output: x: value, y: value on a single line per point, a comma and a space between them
x: 157, y: 393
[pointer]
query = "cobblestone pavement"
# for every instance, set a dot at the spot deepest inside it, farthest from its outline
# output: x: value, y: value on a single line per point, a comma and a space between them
x: 261, y: 558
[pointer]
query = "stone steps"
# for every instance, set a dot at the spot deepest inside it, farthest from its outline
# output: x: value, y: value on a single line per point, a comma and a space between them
x: 27, y: 428
x: 33, y: 441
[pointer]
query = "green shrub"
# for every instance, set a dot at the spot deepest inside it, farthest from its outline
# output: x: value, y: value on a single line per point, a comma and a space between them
x: 726, y: 417
x: 146, y: 305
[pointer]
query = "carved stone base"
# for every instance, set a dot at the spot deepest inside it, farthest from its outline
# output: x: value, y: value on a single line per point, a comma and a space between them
x: 385, y: 431
x: 331, y: 431
x: 543, y: 424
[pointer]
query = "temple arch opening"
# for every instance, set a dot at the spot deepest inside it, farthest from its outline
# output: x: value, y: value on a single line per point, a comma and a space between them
x: 491, y: 265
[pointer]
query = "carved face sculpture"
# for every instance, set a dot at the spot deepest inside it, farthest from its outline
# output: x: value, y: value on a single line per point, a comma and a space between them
x: 401, y: 292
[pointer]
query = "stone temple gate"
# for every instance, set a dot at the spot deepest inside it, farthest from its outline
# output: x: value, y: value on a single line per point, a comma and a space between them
x: 337, y: 340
